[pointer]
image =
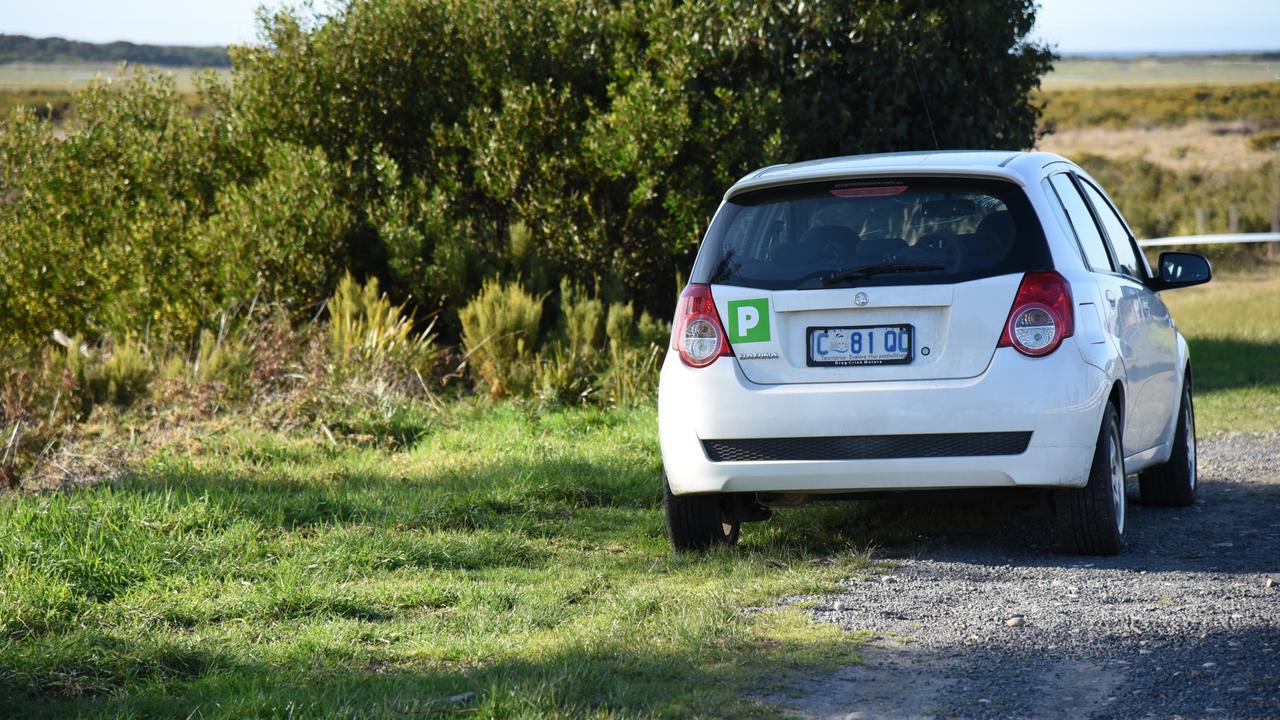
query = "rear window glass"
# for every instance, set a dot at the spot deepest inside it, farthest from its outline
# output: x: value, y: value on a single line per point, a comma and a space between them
x: 872, y: 233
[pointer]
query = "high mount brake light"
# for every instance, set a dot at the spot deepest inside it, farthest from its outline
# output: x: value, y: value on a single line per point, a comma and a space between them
x: 869, y: 191
x: 698, y: 334
x: 1041, y: 316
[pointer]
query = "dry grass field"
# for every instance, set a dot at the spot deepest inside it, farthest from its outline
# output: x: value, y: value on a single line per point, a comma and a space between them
x: 1197, y: 145
x: 1091, y: 72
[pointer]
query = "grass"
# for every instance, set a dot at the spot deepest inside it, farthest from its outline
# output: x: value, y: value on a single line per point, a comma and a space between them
x: 1233, y: 327
x: 492, y: 561
x: 1073, y: 72
x: 66, y: 76
x: 509, y: 564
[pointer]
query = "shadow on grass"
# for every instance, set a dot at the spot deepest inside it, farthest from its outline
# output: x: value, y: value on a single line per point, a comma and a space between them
x: 483, y: 497
x: 1224, y: 364
x: 579, y: 681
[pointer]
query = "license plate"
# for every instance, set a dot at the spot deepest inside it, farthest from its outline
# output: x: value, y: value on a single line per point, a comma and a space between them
x: 864, y: 345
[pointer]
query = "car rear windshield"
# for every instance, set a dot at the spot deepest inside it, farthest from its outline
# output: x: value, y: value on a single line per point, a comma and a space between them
x: 885, y: 231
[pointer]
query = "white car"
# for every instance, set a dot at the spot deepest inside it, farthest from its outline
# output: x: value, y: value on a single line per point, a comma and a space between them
x: 913, y: 321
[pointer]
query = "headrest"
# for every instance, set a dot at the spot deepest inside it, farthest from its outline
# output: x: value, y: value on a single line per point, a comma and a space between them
x: 999, y: 224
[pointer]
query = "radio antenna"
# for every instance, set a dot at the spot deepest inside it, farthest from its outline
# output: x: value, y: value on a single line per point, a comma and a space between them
x: 924, y: 101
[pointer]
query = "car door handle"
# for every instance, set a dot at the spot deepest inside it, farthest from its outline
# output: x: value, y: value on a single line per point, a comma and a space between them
x: 1111, y: 298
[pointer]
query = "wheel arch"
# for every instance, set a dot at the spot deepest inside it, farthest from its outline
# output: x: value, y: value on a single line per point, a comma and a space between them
x: 1117, y: 398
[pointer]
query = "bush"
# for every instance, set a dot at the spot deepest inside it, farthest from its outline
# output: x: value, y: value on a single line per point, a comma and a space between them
x: 278, y: 239
x: 608, y: 130
x: 580, y: 316
x: 566, y: 370
x: 499, y: 334
x: 365, y: 325
x: 116, y: 372
x: 632, y: 372
x: 1120, y: 107
x: 1159, y: 201
x: 97, y: 216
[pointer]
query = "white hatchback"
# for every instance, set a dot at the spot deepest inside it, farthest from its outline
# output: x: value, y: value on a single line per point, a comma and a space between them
x: 913, y: 321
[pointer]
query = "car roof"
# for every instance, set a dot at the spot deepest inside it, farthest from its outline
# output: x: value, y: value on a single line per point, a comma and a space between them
x: 1020, y: 167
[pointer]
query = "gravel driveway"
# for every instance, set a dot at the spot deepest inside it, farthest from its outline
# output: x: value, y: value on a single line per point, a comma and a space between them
x: 1185, y: 623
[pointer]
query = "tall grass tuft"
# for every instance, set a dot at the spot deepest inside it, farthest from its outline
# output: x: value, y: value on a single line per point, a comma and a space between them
x: 499, y: 334
x: 581, y: 316
x: 632, y: 372
x: 566, y: 367
x: 364, y: 325
x: 117, y: 372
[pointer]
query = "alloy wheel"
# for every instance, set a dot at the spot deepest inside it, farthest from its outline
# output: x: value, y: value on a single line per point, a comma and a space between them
x: 1117, y: 479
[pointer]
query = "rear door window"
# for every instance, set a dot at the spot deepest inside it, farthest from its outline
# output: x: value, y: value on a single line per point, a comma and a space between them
x: 884, y: 231
x: 1117, y: 233
x: 1086, y: 230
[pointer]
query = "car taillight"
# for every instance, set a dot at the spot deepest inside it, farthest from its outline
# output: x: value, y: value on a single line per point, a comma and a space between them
x: 1041, y: 315
x: 698, y: 334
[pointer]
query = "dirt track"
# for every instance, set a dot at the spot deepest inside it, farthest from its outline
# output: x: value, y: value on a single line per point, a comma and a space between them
x: 997, y: 624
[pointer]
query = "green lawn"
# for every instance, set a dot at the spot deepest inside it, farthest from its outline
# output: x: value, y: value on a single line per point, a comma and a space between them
x: 1233, y: 327
x: 512, y: 554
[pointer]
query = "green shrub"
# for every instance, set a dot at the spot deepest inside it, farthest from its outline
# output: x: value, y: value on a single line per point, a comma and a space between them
x: 126, y: 373
x: 580, y: 317
x: 563, y: 377
x: 116, y: 372
x: 619, y: 325
x: 632, y: 374
x: 608, y: 130
x: 364, y: 324
x: 635, y: 355
x: 566, y: 369
x: 1159, y: 201
x: 652, y: 331
x: 279, y: 238
x: 499, y: 334
x: 97, y: 215
x: 224, y: 357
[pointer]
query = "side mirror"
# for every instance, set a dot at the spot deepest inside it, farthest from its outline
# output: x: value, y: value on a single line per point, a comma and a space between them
x: 1183, y: 269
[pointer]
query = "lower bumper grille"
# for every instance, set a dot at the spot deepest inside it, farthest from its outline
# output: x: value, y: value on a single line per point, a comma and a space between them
x: 868, y: 447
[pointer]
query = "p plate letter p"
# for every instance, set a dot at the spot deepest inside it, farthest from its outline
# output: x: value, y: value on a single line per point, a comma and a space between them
x: 749, y: 320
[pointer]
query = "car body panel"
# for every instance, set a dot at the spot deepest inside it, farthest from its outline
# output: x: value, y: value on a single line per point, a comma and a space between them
x: 954, y: 328
x: 1011, y: 395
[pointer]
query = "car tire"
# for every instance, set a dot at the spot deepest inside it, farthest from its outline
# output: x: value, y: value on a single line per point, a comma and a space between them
x: 1173, y: 484
x: 698, y: 522
x: 1091, y: 519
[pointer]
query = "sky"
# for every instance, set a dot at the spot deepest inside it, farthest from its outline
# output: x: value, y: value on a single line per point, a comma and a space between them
x: 1074, y: 26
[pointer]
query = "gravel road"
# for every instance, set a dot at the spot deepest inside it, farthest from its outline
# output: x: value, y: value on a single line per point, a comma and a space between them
x: 997, y: 624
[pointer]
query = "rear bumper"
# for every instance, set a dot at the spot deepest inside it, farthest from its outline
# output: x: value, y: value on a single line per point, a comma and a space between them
x: 1059, y: 399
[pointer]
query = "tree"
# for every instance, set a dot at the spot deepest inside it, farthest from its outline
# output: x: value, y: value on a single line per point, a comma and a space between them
x: 610, y: 129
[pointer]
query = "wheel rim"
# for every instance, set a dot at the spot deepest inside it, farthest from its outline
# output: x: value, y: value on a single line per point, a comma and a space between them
x: 1190, y: 424
x: 1117, y: 479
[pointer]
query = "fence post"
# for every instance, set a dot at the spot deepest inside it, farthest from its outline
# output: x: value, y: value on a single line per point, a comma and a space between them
x: 1233, y: 219
x: 1199, y: 221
